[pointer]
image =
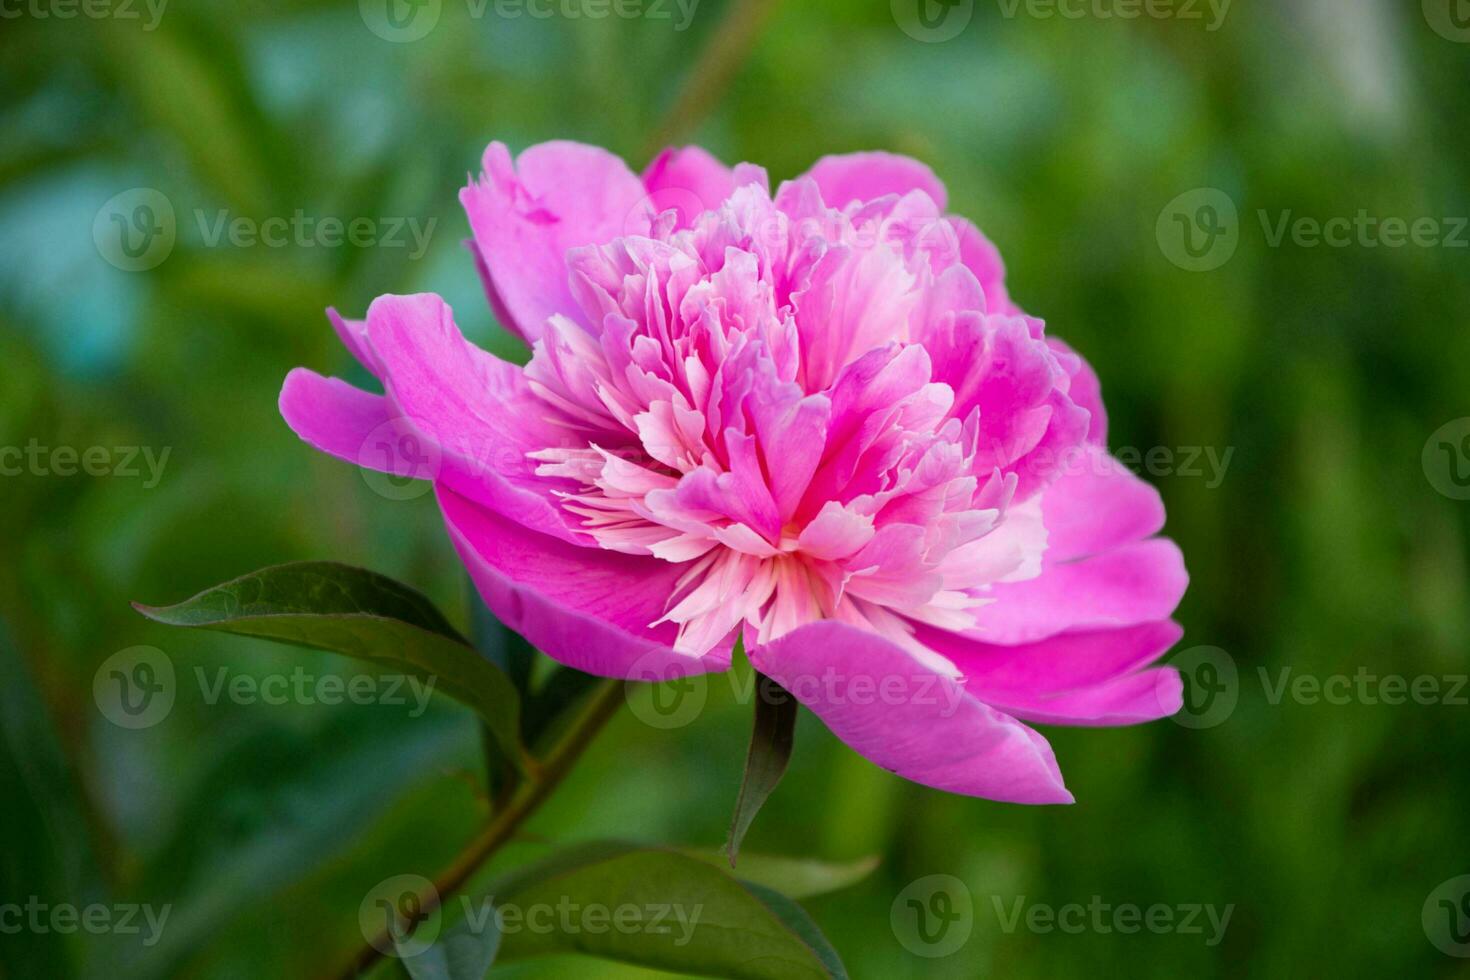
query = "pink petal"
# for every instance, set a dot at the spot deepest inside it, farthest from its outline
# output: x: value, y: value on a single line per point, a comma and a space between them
x: 836, y: 532
x: 587, y: 609
x: 527, y: 214
x: 688, y: 179
x: 1129, y: 700
x: 1137, y: 583
x: 1060, y: 664
x: 792, y: 430
x: 1085, y: 390
x: 856, y: 301
x: 981, y: 256
x: 1000, y: 365
x: 372, y: 432
x: 864, y: 402
x: 354, y: 425
x: 1097, y: 504
x: 497, y: 305
x: 897, y: 713
x: 864, y: 176
x: 474, y: 407
x: 353, y: 334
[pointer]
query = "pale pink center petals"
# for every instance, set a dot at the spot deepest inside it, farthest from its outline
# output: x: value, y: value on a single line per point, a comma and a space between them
x: 751, y: 400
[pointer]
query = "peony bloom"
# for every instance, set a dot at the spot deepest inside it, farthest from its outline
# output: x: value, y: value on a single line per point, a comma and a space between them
x: 812, y: 419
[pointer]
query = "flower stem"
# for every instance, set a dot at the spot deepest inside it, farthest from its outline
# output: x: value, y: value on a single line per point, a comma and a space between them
x: 539, y: 786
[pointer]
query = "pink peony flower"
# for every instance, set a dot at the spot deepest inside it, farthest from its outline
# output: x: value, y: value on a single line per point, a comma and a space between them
x: 814, y: 419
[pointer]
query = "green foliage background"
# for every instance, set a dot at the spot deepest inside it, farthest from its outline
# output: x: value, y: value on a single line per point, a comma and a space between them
x: 1324, y: 550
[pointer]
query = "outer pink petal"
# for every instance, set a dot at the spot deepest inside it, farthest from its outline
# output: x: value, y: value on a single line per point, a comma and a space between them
x: 1060, y: 664
x: 333, y: 416
x: 497, y: 305
x: 527, y: 214
x: 1137, y: 583
x: 688, y: 179
x: 1086, y: 389
x: 476, y: 408
x: 370, y: 431
x: 864, y: 176
x: 353, y: 334
x: 981, y: 256
x: 588, y: 609
x: 1097, y: 504
x: 1129, y: 700
x: 927, y: 728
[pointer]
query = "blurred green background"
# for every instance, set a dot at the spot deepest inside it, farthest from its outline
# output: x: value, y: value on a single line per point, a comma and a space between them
x: 1325, y: 548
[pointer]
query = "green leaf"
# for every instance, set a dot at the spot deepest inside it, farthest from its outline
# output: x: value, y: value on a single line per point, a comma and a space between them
x: 364, y: 615
x: 771, y: 739
x: 466, y: 952
x: 792, y: 876
x: 662, y: 909
x: 801, y: 924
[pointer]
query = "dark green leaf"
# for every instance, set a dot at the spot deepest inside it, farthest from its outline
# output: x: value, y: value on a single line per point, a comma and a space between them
x: 795, y: 877
x: 771, y: 739
x: 678, y: 913
x: 363, y: 615
x: 801, y: 924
